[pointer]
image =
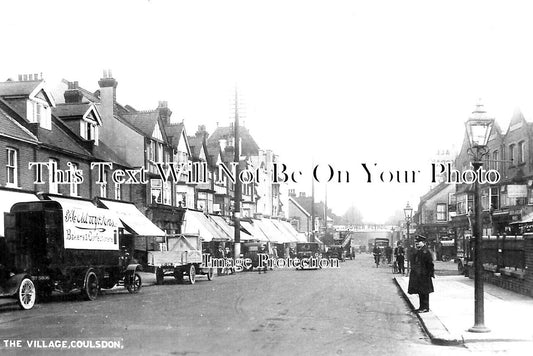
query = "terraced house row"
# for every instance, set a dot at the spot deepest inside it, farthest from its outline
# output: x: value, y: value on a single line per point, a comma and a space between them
x: 62, y: 139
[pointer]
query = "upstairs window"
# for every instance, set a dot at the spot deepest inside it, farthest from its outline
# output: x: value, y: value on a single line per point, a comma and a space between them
x: 495, y: 158
x: 11, y: 168
x: 38, y: 111
x: 103, y: 186
x: 53, y: 186
x: 521, y: 152
x: 512, y: 154
x: 441, y: 212
x: 118, y: 191
x: 74, y: 187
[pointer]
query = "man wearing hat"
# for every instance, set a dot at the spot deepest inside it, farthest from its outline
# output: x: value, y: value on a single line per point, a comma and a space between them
x: 422, y: 270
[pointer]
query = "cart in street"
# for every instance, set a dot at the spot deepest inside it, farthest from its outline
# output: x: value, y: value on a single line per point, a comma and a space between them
x: 178, y: 256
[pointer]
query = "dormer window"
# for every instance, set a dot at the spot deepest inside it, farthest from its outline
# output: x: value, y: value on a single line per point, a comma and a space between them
x: 39, y: 112
x: 89, y: 131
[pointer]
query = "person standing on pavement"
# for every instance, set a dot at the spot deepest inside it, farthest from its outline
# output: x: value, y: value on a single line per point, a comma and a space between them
x: 422, y: 270
x: 399, y: 254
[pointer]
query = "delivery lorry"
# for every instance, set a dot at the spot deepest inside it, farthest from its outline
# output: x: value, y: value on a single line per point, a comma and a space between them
x: 63, y: 245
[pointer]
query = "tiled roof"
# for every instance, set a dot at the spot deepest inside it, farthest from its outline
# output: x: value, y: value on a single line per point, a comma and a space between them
x: 72, y: 109
x: 174, y: 132
x: 249, y: 147
x: 143, y: 120
x: 18, y: 88
x: 11, y: 128
x: 104, y: 153
x: 59, y: 138
x: 195, y: 143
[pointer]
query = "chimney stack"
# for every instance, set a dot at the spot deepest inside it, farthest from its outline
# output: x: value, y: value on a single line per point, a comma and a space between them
x: 108, y: 96
x: 201, y: 131
x: 164, y: 112
x: 73, y: 94
x: 108, y: 84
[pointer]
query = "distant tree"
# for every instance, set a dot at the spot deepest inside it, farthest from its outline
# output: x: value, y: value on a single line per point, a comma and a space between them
x: 352, y: 216
x: 397, y: 217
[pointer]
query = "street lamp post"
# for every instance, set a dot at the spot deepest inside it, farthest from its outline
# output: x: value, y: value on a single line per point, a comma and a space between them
x: 478, y: 129
x: 408, y: 211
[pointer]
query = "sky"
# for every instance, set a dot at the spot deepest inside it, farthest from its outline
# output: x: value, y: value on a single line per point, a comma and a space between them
x: 342, y: 83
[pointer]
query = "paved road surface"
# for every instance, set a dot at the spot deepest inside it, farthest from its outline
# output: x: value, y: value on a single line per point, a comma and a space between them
x: 354, y: 310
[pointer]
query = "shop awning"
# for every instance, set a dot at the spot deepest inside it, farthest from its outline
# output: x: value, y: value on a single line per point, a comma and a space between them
x: 287, y: 235
x: 7, y: 199
x: 525, y: 220
x: 196, y: 222
x: 273, y: 233
x: 134, y: 221
x: 257, y: 233
x: 219, y: 220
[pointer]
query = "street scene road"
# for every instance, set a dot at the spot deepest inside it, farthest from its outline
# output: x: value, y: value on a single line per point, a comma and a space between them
x: 354, y: 310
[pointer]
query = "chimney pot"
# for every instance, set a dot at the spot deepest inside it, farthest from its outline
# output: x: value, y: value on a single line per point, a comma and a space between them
x: 20, y: 77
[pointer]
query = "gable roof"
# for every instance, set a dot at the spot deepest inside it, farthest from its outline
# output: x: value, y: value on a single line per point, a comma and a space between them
x: 28, y: 89
x: 76, y: 110
x: 292, y: 200
x: 143, y: 120
x: 196, y: 143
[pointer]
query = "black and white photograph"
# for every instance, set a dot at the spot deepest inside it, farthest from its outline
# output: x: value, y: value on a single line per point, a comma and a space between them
x: 245, y: 177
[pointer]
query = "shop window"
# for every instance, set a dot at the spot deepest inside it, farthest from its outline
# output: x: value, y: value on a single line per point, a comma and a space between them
x: 157, y: 191
x: 495, y: 198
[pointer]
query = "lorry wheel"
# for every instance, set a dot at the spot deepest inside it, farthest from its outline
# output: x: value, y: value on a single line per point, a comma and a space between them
x: 192, y: 274
x: 26, y: 294
x: 178, y: 274
x: 91, y: 286
x: 159, y: 276
x: 210, y: 274
x: 135, y: 284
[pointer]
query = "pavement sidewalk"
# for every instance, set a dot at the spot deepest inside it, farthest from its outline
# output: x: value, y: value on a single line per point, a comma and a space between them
x: 507, y: 314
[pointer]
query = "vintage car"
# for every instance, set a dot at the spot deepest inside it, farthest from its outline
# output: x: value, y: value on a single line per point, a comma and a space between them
x: 308, y: 250
x: 252, y: 250
x: 336, y: 251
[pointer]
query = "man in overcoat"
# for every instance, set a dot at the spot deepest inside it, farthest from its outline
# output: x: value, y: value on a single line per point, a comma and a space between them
x: 422, y: 270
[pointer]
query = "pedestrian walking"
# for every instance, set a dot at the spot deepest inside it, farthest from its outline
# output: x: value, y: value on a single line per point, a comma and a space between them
x: 377, y: 254
x: 388, y: 253
x: 219, y: 254
x: 422, y: 270
x: 262, y: 251
x: 229, y: 255
x: 399, y: 255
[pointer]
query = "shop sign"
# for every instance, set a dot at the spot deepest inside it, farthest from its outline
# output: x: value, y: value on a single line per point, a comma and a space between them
x: 517, y: 191
x: 89, y: 229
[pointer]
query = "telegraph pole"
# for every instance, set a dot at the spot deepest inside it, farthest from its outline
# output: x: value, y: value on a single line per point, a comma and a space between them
x: 312, y: 210
x: 326, y: 208
x: 237, y: 193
